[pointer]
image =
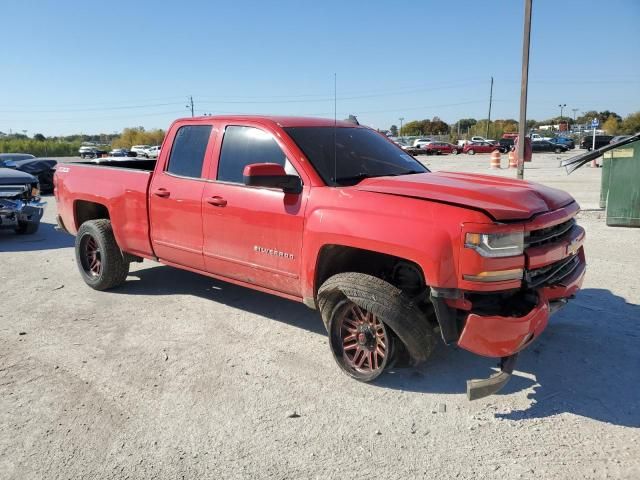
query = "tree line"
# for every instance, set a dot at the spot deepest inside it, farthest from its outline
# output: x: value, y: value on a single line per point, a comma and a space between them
x: 610, y: 122
x: 68, y: 146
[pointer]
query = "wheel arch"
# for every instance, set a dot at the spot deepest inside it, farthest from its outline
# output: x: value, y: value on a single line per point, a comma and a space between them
x: 84, y: 210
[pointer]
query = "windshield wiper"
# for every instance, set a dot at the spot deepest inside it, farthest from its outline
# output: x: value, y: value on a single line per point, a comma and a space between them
x: 362, y: 175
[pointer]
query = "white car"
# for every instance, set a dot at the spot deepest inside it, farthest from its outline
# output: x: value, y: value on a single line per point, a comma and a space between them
x: 141, y: 150
x: 537, y: 138
x: 482, y: 139
x: 153, y: 152
x: 419, y: 142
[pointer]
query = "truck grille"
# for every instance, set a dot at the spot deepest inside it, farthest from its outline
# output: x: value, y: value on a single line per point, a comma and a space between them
x: 549, y: 234
x: 12, y: 191
x: 551, y: 274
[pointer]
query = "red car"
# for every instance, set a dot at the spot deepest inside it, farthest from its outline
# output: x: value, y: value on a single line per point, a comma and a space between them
x: 438, y: 148
x: 472, y: 148
x: 336, y: 216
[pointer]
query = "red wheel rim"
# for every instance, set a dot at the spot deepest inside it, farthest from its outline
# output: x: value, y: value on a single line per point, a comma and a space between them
x: 364, y: 340
x: 91, y: 256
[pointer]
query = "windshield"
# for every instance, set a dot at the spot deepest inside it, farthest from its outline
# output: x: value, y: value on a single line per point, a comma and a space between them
x: 348, y: 155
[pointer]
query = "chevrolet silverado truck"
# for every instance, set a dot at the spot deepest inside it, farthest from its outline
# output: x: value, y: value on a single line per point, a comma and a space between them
x: 338, y: 217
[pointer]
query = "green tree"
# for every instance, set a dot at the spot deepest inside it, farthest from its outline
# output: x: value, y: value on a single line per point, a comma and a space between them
x: 39, y: 137
x: 394, y: 130
x: 611, y: 125
x: 631, y: 124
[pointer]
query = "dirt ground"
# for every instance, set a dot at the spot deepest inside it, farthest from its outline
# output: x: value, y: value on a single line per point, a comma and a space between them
x: 175, y: 375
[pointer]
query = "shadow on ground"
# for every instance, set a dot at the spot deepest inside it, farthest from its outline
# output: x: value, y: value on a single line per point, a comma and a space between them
x: 46, y: 238
x: 587, y: 362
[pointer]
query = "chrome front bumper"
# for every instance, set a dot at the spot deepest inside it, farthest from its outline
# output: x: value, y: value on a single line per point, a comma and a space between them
x: 13, y: 212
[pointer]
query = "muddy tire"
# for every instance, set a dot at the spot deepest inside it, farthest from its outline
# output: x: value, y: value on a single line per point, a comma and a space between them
x: 369, y: 323
x: 27, y: 228
x: 99, y: 259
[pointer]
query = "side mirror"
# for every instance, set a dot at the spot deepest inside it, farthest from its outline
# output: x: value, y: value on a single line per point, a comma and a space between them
x: 271, y: 175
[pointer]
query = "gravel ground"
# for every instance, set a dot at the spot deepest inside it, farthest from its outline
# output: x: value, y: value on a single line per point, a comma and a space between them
x: 176, y: 375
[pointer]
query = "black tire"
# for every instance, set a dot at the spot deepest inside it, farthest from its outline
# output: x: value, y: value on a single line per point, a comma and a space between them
x: 403, y: 323
x: 471, y: 151
x: 98, y: 256
x: 27, y: 228
x: 559, y: 150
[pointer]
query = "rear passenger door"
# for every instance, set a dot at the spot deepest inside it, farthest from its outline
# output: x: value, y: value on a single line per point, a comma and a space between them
x: 175, y: 197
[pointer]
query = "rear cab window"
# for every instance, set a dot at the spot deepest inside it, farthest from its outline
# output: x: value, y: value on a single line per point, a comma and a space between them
x: 188, y: 151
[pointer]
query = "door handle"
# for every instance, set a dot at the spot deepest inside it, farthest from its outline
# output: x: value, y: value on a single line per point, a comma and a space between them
x: 217, y: 201
x: 161, y: 192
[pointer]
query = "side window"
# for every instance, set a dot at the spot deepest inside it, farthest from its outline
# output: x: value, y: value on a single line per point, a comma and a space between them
x: 187, y: 153
x: 242, y: 146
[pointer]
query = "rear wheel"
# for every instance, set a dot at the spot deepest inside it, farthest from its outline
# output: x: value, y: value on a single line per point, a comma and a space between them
x: 558, y: 150
x: 98, y: 256
x: 454, y: 152
x: 471, y: 151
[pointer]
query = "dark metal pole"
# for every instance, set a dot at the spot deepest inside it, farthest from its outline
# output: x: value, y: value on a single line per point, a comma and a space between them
x: 489, y: 117
x: 522, y: 127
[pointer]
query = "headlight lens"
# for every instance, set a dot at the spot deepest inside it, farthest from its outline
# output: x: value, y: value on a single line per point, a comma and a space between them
x: 496, y: 244
x: 35, y: 191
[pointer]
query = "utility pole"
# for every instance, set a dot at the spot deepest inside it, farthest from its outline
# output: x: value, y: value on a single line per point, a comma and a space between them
x: 190, y: 105
x: 524, y: 84
x: 401, y: 120
x: 574, y: 110
x: 490, y: 100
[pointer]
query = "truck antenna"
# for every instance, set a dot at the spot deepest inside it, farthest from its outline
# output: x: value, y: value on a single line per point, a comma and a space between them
x: 335, y: 126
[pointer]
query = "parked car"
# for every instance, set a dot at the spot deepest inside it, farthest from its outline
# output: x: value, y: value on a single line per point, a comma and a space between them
x: 356, y: 234
x: 547, y: 146
x: 535, y: 137
x: 438, y: 148
x: 421, y: 141
x: 153, y: 152
x: 601, y: 141
x: 566, y: 141
x: 91, y: 152
x: 472, y: 148
x: 7, y: 159
x: 122, y: 152
x: 20, y: 205
x: 41, y: 168
x: 619, y: 138
x: 141, y: 150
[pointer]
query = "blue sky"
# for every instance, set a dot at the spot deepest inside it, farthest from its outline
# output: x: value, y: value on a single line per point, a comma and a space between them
x: 74, y: 66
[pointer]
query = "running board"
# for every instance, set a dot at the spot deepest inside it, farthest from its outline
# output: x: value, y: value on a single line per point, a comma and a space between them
x: 480, y: 388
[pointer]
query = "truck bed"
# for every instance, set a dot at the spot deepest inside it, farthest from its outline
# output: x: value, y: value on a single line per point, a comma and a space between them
x: 120, y: 185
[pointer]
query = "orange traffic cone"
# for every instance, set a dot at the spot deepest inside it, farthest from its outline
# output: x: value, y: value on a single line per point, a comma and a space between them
x: 495, y: 159
x: 513, y: 160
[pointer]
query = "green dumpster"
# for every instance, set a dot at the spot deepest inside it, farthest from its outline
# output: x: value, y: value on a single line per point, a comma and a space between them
x: 621, y: 185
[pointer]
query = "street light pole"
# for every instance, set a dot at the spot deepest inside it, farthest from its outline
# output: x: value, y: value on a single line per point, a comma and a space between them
x: 562, y: 105
x: 401, y: 120
x: 524, y: 84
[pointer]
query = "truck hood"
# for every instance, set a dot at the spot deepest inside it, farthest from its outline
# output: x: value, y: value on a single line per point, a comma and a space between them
x: 503, y: 199
x: 8, y: 176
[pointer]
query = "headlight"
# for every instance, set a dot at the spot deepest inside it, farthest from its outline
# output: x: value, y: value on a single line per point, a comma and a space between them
x: 35, y: 190
x: 496, y: 244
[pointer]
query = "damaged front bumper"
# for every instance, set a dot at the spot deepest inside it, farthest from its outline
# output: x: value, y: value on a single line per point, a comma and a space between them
x: 14, y: 212
x: 503, y: 323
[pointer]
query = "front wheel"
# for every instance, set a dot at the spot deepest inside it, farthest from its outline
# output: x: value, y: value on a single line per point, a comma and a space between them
x: 454, y: 152
x: 27, y: 228
x: 98, y: 256
x: 371, y: 323
x: 558, y: 150
x: 471, y: 152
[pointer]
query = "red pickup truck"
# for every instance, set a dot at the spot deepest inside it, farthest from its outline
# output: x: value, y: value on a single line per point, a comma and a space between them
x: 335, y: 215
